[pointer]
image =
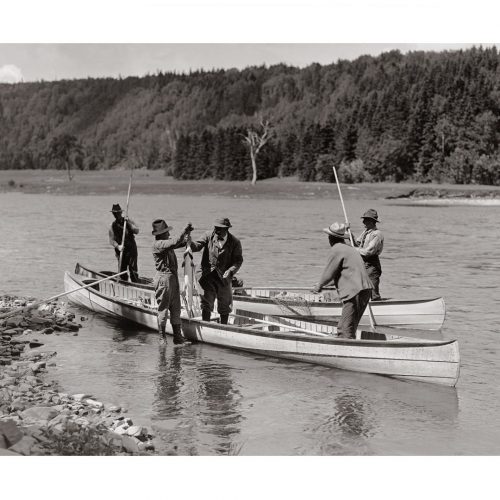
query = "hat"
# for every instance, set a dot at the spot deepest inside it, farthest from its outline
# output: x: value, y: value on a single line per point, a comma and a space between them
x: 116, y: 208
x: 370, y: 214
x: 337, y: 230
x: 222, y: 223
x: 160, y: 227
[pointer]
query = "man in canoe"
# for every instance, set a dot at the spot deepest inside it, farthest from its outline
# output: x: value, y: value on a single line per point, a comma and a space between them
x: 370, y: 245
x: 129, y: 247
x: 222, y: 258
x: 346, y: 269
x: 166, y: 281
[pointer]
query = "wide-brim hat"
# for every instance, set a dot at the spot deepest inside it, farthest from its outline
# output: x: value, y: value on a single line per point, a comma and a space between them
x: 224, y: 222
x: 337, y: 230
x: 371, y: 214
x: 160, y: 227
x: 116, y: 208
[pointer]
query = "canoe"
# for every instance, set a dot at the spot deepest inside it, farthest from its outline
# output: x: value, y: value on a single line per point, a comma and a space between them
x: 290, y: 338
x: 423, y: 314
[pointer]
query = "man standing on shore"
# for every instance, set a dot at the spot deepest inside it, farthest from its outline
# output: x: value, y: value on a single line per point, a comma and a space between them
x: 370, y: 245
x: 346, y: 269
x: 129, y: 247
x: 222, y: 257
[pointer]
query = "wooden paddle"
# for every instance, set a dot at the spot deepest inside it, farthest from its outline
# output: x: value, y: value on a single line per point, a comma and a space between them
x: 125, y: 220
x: 50, y: 299
x: 370, y: 312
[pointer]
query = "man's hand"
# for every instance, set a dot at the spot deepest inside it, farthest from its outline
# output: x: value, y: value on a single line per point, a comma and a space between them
x: 316, y: 289
x: 119, y: 248
x: 227, y: 274
x: 189, y: 228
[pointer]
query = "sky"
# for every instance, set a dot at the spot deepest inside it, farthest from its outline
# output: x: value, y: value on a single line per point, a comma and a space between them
x: 32, y: 62
x: 57, y: 39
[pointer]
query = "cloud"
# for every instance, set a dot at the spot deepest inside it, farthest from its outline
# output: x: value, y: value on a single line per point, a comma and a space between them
x: 9, y: 73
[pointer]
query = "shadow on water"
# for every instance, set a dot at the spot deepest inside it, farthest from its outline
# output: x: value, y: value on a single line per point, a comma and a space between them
x: 195, y: 404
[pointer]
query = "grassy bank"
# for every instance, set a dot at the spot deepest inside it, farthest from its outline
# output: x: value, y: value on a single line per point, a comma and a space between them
x: 155, y: 182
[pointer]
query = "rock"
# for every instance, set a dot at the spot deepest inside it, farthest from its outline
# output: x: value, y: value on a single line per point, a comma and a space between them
x: 137, y: 431
x: 121, y: 430
x: 130, y: 444
x: 23, y: 447
x: 47, y: 331
x: 94, y: 404
x: 10, y: 432
x: 39, y: 413
x: 114, y: 409
x: 36, y: 367
x: 79, y: 397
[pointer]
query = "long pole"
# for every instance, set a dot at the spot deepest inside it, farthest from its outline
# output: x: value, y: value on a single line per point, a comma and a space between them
x: 54, y: 297
x: 125, y: 220
x: 369, y: 307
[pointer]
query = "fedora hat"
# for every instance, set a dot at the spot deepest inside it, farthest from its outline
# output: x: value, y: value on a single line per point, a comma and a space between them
x: 370, y: 214
x: 116, y: 208
x: 337, y: 230
x: 224, y: 222
x: 160, y: 227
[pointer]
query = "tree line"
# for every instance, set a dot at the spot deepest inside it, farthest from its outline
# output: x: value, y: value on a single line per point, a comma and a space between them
x: 421, y: 116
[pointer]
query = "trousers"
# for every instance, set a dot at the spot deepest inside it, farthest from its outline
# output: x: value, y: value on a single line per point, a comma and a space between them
x: 374, y: 273
x: 129, y: 263
x: 213, y: 287
x: 168, y: 298
x: 352, y: 310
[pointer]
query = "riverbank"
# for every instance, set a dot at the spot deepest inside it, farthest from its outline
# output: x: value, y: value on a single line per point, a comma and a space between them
x: 36, y: 416
x: 115, y: 182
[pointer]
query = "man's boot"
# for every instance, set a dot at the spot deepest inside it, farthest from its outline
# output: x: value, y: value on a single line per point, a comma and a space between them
x: 223, y: 319
x: 163, y: 336
x: 178, y: 338
x: 205, y: 315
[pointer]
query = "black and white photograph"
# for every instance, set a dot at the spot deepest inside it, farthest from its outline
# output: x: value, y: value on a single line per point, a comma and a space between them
x: 239, y: 239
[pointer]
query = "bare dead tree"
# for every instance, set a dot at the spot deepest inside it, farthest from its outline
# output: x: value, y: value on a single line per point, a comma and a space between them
x: 255, y: 141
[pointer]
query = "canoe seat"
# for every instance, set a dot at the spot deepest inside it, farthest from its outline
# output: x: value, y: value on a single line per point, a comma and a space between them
x: 372, y: 336
x: 89, y: 282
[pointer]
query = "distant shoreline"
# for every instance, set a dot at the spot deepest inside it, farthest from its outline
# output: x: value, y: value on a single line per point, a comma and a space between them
x: 115, y: 182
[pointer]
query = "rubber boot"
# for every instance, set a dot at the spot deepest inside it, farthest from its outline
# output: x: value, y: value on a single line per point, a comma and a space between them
x: 178, y: 338
x: 223, y: 319
x: 205, y: 315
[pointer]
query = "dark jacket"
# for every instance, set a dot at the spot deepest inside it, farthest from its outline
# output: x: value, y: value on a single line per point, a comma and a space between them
x: 230, y: 256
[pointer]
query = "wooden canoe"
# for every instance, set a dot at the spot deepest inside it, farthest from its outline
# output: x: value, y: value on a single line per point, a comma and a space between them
x: 291, y: 338
x: 423, y: 314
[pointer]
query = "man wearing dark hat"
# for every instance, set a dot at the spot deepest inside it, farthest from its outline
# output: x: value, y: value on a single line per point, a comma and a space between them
x: 129, y: 247
x: 370, y: 245
x: 221, y: 259
x: 166, y: 281
x: 346, y: 269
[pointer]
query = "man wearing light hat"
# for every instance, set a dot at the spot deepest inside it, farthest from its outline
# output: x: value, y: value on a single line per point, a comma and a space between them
x: 129, y: 247
x: 346, y: 269
x: 221, y: 259
x: 166, y: 281
x: 370, y: 245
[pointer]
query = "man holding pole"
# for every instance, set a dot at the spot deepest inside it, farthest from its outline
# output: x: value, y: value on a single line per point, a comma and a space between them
x: 370, y: 245
x: 122, y: 239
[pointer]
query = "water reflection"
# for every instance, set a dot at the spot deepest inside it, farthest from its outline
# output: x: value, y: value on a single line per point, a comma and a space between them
x: 196, y: 404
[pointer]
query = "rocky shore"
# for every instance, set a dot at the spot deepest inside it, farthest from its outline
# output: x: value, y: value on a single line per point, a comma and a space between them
x: 36, y: 416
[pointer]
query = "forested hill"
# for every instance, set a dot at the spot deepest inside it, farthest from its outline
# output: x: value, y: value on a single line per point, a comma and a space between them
x: 422, y: 116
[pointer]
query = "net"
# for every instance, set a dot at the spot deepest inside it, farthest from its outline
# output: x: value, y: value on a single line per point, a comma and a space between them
x: 293, y: 304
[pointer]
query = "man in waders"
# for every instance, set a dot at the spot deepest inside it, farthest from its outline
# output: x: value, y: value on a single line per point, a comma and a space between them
x: 370, y: 245
x: 222, y: 258
x: 129, y: 247
x: 346, y: 269
x: 166, y: 281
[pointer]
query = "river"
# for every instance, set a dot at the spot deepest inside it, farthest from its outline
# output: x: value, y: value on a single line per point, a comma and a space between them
x: 207, y: 400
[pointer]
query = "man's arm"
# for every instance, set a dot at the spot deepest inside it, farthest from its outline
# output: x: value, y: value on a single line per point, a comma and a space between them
x: 198, y: 245
x: 133, y: 226
x: 112, y: 241
x: 330, y: 273
x: 374, y: 246
x: 237, y: 260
